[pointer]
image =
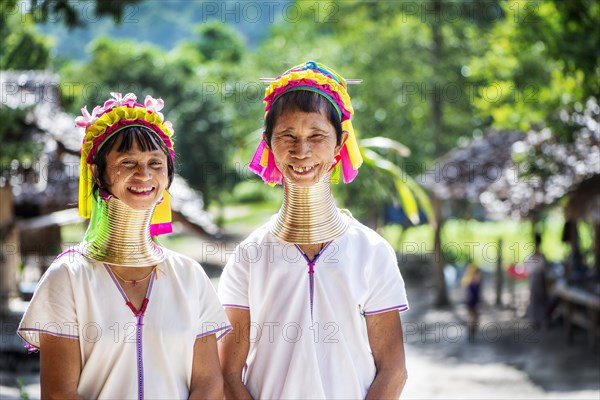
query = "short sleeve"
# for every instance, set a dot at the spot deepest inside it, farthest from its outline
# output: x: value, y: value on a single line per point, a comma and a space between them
x: 52, y: 308
x: 233, y: 284
x: 386, y: 290
x: 212, y: 319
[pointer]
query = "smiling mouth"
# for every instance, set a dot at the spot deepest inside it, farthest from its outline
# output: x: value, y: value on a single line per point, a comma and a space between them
x: 140, y: 190
x: 303, y: 170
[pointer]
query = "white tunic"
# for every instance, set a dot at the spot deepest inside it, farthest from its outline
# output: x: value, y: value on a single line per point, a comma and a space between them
x: 123, y: 355
x: 294, y: 354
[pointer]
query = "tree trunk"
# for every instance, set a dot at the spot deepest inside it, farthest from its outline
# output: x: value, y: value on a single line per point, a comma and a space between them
x: 597, y: 247
x: 499, y: 275
x: 9, y: 249
x: 436, y: 114
x: 574, y: 242
x: 441, y: 298
x: 438, y: 55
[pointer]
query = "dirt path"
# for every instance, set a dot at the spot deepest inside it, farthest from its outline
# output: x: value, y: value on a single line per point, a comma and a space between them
x: 507, y: 360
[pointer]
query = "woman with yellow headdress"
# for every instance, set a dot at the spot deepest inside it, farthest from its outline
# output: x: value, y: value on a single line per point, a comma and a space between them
x: 119, y: 316
x: 313, y: 295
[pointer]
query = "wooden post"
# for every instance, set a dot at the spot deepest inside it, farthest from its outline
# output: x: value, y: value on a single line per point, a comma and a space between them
x: 597, y: 247
x: 9, y: 249
x: 574, y: 241
x: 438, y: 257
x: 499, y: 275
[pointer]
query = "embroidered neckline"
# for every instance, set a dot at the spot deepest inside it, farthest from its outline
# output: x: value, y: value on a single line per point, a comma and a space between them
x: 311, y: 273
x: 134, y: 282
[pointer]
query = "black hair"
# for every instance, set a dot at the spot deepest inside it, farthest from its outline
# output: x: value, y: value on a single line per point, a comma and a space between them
x: 146, y: 140
x: 305, y: 101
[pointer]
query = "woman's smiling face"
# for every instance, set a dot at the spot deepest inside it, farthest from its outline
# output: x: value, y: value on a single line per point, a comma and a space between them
x: 304, y: 146
x: 136, y: 177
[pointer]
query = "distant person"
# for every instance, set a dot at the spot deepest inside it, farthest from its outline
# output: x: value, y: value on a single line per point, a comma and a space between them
x: 536, y: 267
x: 576, y: 269
x: 120, y: 317
x: 472, y: 284
x: 320, y: 293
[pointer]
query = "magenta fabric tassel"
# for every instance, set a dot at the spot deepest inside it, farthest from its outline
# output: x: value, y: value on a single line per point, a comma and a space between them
x: 272, y: 174
x: 348, y: 172
x: 161, y: 229
x: 255, y: 163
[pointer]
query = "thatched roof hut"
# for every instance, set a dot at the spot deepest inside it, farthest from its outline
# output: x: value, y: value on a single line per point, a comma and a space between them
x: 512, y: 174
x: 459, y: 178
x: 551, y: 169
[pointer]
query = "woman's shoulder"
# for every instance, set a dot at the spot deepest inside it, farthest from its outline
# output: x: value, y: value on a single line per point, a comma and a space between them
x: 70, y: 263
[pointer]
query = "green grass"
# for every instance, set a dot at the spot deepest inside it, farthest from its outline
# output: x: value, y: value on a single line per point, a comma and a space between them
x: 471, y: 239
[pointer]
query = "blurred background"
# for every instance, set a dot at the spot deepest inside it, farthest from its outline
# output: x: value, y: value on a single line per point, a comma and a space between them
x: 478, y: 121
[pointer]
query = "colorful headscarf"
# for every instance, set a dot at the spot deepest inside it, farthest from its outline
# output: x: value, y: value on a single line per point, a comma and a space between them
x: 325, y: 81
x: 105, y: 121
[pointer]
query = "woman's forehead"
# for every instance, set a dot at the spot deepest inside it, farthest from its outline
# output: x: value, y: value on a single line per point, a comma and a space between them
x: 299, y: 114
x: 134, y: 146
x: 292, y: 118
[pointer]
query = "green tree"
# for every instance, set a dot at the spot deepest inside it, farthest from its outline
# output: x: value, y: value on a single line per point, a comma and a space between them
x: 116, y: 65
x: 72, y: 13
x: 221, y: 94
x: 22, y: 47
x: 216, y: 41
x: 541, y: 58
x: 17, y: 139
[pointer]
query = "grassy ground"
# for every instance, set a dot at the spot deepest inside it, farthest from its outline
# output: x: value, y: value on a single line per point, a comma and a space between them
x: 462, y: 239
x: 478, y: 241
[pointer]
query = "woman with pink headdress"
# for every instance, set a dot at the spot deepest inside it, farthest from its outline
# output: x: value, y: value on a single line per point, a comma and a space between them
x: 119, y: 316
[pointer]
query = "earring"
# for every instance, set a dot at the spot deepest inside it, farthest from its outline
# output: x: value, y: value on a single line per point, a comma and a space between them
x: 336, y: 161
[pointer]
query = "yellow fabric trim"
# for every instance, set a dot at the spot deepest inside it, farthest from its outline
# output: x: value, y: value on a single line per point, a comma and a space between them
x: 85, y: 189
x: 112, y: 117
x: 162, y: 212
x: 319, y: 78
x: 264, y: 159
x: 352, y: 145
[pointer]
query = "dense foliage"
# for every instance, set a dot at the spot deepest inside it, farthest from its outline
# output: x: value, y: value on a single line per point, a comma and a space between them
x: 435, y: 73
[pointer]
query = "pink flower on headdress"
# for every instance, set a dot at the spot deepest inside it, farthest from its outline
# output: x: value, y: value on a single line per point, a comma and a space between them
x: 119, y: 100
x: 154, y: 105
x: 169, y: 125
x: 86, y: 119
